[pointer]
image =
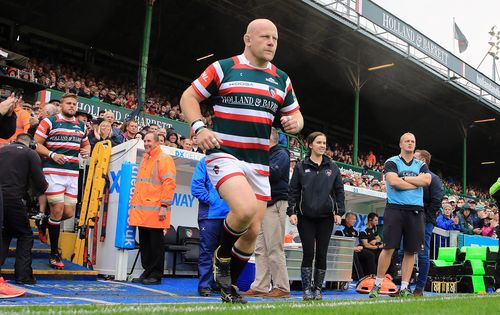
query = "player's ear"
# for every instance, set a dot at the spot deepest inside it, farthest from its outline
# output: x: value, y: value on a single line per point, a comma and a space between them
x: 246, y: 39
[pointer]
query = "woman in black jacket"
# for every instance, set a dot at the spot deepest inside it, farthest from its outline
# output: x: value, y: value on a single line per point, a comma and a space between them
x: 315, y: 203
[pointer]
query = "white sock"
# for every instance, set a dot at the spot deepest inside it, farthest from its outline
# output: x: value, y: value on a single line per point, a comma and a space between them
x: 404, y: 285
x: 378, y: 281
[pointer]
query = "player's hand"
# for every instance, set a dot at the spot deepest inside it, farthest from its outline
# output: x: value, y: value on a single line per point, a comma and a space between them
x: 7, y: 106
x: 163, y: 213
x: 207, y: 139
x: 84, y: 153
x: 59, y: 158
x: 290, y: 124
x: 293, y: 219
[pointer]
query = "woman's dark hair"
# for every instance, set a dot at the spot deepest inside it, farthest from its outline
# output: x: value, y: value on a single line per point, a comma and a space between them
x: 310, y: 139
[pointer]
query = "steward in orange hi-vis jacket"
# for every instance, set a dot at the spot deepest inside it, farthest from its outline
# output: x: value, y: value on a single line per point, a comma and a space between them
x: 150, y: 208
x: 154, y: 189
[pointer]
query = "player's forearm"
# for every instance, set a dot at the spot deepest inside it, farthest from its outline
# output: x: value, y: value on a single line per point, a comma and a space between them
x: 421, y: 180
x: 400, y: 184
x: 190, y: 106
x: 297, y: 115
x: 42, y: 150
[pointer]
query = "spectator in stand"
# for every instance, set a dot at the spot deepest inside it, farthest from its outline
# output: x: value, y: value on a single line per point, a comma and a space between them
x: 187, y: 144
x: 452, y: 200
x: 161, y: 139
x: 130, y: 128
x: 447, y: 221
x: 467, y: 220
x: 102, y: 133
x: 163, y: 132
x: 487, y: 229
x: 172, y: 137
x: 116, y: 132
x: 315, y: 203
x: 154, y: 128
x: 195, y: 147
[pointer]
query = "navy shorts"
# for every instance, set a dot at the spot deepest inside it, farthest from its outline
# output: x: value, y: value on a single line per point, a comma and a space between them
x: 400, y: 222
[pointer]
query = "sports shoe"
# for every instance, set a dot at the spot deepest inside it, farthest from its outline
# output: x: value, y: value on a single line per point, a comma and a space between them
x: 41, y: 221
x: 55, y: 261
x: 402, y: 293
x: 7, y: 291
x: 231, y: 295
x: 374, y: 292
x: 222, y: 271
x: 254, y: 293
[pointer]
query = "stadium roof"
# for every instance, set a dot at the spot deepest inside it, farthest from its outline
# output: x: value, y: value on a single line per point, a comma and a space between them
x: 316, y: 49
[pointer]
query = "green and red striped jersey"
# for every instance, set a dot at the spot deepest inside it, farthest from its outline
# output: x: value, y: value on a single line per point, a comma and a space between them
x: 246, y: 100
x: 62, y: 136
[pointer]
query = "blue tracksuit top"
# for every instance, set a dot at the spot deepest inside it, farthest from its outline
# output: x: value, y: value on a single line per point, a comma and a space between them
x: 210, y: 204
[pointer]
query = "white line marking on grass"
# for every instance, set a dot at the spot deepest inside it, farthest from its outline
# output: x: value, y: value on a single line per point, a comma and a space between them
x: 34, y: 292
x: 84, y: 299
x: 141, y: 287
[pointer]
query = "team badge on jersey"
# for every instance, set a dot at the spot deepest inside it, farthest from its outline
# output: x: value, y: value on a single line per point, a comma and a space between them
x: 216, y: 169
x: 328, y: 173
x: 272, y: 92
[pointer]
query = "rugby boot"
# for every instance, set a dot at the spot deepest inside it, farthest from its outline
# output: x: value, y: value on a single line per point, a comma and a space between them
x: 55, y: 261
x: 222, y: 274
x: 232, y: 295
x: 375, y: 291
x: 41, y: 221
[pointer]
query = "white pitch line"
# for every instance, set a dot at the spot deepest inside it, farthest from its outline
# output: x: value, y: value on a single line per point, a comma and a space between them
x: 141, y: 287
x: 34, y: 292
x: 84, y: 299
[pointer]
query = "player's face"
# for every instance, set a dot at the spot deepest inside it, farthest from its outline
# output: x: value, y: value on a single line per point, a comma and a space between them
x: 68, y: 106
x: 263, y: 42
x: 408, y: 143
x: 318, y: 147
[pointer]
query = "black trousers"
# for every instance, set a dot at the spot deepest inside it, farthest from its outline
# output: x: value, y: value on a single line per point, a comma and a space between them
x: 315, y: 233
x: 365, y: 263
x: 152, y: 249
x: 16, y: 224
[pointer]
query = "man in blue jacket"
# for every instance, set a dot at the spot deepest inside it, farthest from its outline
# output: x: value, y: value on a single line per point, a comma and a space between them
x: 211, y: 213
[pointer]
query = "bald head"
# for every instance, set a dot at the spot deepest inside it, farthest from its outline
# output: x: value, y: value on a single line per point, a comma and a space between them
x: 258, y: 24
x: 407, y: 144
x: 261, y: 41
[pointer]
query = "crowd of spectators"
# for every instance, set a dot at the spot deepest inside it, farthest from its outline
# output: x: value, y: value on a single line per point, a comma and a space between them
x: 468, y: 216
x: 103, y: 88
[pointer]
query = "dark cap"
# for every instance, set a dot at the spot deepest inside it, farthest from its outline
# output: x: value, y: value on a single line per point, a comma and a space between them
x: 82, y: 113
